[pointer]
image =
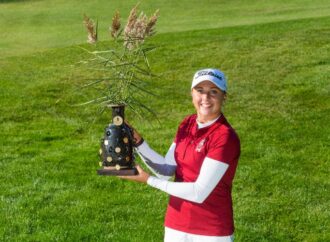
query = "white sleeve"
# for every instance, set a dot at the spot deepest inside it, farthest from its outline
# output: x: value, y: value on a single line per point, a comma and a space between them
x: 162, y: 167
x: 210, y: 174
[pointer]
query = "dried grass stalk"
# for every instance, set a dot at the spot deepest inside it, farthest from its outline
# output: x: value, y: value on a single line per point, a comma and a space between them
x: 115, y: 26
x: 132, y: 18
x: 150, y: 28
x: 138, y: 28
x: 91, y: 28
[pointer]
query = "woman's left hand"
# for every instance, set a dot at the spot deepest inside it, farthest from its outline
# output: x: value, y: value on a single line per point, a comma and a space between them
x: 142, y: 176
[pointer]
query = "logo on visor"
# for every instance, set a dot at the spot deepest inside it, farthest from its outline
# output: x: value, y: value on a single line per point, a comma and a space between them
x: 208, y: 73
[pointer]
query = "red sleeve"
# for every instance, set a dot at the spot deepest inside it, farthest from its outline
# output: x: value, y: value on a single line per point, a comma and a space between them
x: 224, y: 147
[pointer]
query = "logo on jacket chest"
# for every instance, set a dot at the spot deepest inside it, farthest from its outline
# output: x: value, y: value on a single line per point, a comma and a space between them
x: 200, y: 145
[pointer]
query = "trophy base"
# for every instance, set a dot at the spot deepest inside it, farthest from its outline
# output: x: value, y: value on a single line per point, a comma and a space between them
x: 114, y: 172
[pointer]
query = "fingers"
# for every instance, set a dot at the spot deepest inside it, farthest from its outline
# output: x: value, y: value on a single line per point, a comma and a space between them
x: 142, y: 176
x: 138, y: 167
x: 135, y: 132
x: 137, y: 137
x: 128, y: 177
x: 133, y: 177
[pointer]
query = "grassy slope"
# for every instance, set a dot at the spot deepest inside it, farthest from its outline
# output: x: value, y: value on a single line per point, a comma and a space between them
x: 278, y: 102
x: 29, y: 26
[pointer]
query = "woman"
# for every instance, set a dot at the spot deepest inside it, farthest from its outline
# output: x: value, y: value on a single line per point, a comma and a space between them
x: 203, y: 158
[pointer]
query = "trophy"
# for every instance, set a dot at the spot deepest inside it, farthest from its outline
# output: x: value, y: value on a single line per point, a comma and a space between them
x: 116, y: 149
x: 121, y: 73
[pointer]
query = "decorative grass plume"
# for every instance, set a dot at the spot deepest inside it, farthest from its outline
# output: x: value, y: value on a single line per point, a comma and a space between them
x: 122, y: 70
x: 91, y: 28
x: 115, y: 26
x: 138, y: 28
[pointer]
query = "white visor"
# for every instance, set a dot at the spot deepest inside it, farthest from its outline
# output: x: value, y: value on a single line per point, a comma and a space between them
x: 213, y: 75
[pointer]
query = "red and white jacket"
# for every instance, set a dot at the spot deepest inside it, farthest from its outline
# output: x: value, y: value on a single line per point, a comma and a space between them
x: 203, y: 158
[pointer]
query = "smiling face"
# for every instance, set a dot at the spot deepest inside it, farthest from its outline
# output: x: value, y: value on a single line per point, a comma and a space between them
x: 207, y: 99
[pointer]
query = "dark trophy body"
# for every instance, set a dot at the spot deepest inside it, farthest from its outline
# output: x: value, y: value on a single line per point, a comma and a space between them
x: 116, y: 150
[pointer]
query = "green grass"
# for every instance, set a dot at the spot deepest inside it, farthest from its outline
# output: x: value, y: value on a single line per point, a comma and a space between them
x: 29, y: 26
x: 276, y: 57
